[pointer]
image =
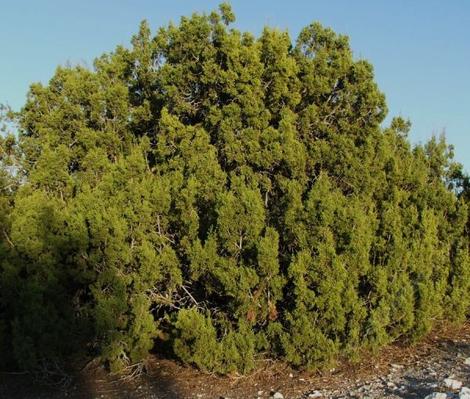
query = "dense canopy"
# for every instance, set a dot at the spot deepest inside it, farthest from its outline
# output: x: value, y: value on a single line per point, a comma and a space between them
x: 220, y: 197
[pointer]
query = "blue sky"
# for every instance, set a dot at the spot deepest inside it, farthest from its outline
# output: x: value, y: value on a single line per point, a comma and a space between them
x: 420, y: 49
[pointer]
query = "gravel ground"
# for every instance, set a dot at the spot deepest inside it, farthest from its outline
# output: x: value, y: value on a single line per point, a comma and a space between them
x: 443, y: 374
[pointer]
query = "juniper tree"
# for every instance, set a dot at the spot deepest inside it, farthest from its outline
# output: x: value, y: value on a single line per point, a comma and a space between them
x: 224, y: 196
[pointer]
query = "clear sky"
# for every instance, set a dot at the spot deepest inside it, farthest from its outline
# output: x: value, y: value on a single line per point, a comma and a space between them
x: 420, y: 48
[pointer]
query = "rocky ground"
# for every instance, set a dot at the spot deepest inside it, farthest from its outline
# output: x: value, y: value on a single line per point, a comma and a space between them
x: 438, y: 367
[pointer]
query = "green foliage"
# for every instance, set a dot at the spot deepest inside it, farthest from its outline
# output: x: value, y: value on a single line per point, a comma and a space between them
x: 223, y: 196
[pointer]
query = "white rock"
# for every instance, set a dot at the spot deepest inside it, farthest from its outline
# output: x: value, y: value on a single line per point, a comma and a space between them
x: 315, y: 394
x: 467, y: 361
x: 453, y: 384
x: 436, y: 395
x: 464, y: 393
x: 278, y: 395
x: 291, y: 375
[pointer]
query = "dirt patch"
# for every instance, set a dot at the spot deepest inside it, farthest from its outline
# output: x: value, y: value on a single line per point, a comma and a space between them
x: 398, y: 371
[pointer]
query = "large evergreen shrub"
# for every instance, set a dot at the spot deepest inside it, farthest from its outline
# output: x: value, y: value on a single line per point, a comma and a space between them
x: 224, y: 196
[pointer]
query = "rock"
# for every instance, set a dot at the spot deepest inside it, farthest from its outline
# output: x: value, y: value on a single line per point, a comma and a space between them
x: 396, y: 366
x: 315, y: 394
x: 467, y: 361
x: 291, y: 375
x: 464, y: 393
x: 453, y: 384
x: 436, y: 395
x: 277, y: 395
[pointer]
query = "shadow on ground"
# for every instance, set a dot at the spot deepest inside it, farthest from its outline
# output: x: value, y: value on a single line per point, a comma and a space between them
x: 96, y: 383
